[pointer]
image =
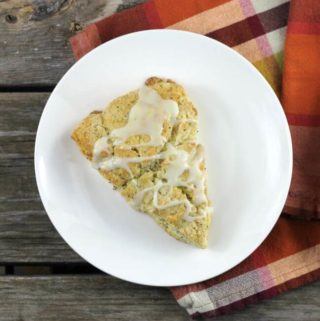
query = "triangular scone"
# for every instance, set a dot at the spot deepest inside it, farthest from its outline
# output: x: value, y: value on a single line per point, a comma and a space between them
x: 145, y: 144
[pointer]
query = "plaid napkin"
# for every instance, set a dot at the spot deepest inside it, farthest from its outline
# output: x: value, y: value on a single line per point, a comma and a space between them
x: 301, y: 102
x: 259, y: 30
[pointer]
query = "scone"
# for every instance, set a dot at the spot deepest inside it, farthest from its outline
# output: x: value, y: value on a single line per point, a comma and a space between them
x: 145, y: 144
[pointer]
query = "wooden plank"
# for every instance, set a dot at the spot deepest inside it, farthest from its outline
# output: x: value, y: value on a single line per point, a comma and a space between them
x: 102, y: 297
x: 26, y: 234
x: 84, y: 298
x: 34, y: 47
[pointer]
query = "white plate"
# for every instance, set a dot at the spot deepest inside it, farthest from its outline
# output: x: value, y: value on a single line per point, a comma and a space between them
x: 248, y: 153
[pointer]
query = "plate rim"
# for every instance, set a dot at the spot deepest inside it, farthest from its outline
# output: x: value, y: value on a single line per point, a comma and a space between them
x: 192, y: 34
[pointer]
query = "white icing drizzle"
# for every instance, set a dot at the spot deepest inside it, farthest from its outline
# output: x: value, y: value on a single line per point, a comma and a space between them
x: 185, y: 202
x: 185, y: 161
x: 204, y: 212
x: 178, y: 164
x: 146, y: 117
x: 100, y: 146
x: 195, y: 175
x: 140, y: 195
x: 118, y: 162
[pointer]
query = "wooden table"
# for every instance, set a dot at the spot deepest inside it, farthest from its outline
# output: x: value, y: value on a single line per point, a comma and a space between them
x: 41, y: 277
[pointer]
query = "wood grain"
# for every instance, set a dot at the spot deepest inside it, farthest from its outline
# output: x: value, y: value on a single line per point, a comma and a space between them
x: 84, y: 298
x: 34, y: 45
x: 102, y: 297
x: 26, y: 234
x: 34, y: 54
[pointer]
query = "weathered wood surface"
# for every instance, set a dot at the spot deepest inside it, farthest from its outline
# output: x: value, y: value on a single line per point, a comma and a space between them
x: 34, y: 46
x: 34, y: 54
x: 101, y: 297
x: 57, y: 298
x: 26, y: 234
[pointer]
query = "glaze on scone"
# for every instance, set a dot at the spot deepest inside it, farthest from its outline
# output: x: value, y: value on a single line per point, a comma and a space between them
x: 145, y: 144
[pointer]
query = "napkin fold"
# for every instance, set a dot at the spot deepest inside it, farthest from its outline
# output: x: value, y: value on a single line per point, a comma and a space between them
x: 282, y: 40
